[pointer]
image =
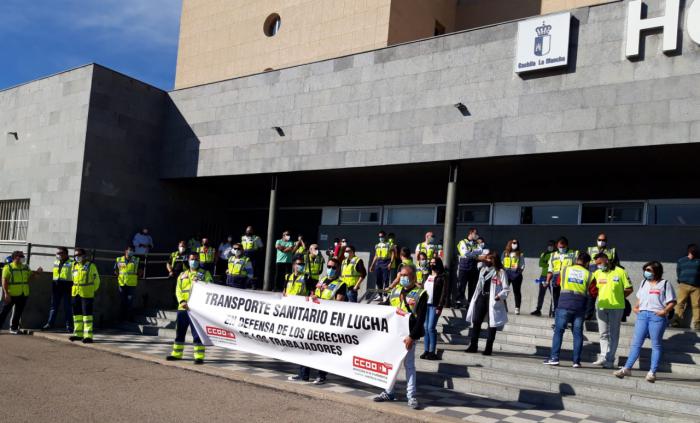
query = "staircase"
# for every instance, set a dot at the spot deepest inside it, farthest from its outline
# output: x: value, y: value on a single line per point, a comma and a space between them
x: 515, y: 371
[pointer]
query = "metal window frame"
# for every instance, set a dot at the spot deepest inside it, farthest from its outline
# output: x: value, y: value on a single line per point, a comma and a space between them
x: 490, y: 217
x: 642, y: 223
x: 11, y: 213
x: 380, y: 209
x: 669, y: 202
x: 543, y: 204
x: 385, y: 213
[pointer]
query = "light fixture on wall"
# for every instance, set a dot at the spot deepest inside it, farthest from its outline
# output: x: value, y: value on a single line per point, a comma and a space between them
x: 462, y: 109
x: 279, y: 130
x: 13, y: 135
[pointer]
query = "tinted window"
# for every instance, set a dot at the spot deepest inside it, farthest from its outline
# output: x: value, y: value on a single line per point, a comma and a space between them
x: 549, y: 215
x: 675, y: 214
x: 612, y: 213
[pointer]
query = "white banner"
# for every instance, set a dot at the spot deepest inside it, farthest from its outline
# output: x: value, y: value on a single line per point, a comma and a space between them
x: 358, y: 341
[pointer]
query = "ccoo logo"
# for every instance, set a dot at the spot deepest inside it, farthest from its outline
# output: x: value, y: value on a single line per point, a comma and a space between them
x: 221, y: 333
x: 371, y: 365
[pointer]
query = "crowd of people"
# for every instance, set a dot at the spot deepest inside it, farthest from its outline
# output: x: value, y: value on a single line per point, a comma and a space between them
x: 582, y: 285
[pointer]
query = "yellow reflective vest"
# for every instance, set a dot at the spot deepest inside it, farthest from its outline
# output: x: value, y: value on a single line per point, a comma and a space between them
x: 62, y: 272
x: 296, y: 284
x: 412, y: 299
x: 430, y: 250
x: 382, y: 251
x: 349, y: 273
x: 249, y: 243
x: 512, y: 263
x: 314, y: 265
x: 183, y: 288
x: 86, y: 280
x: 206, y: 254
x: 128, y: 269
x: 17, y: 276
x: 331, y: 289
x: 559, y: 260
x: 594, y: 251
x: 237, y: 265
x: 575, y: 280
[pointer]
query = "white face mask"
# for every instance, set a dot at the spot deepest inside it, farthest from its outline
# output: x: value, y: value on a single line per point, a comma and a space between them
x: 346, y: 255
x: 286, y: 237
x: 514, y: 246
x: 237, y: 252
x: 181, y: 249
x: 58, y: 257
x: 602, y: 243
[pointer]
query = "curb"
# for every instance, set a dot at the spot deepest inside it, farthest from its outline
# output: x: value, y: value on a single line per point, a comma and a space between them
x: 282, y: 386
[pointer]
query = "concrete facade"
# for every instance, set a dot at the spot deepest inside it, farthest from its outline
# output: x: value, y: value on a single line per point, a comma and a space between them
x: 395, y: 105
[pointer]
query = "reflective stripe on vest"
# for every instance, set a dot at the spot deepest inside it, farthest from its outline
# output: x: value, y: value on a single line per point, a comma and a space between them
x: 315, y: 266
x: 562, y: 260
x: 511, y: 262
x: 428, y: 249
x: 128, y: 271
x: 237, y: 266
x: 349, y: 273
x: 206, y: 254
x: 331, y: 291
x: 411, y: 299
x: 593, y: 251
x: 575, y: 280
x: 296, y: 285
x: 249, y: 244
x: 62, y: 273
x: 382, y: 251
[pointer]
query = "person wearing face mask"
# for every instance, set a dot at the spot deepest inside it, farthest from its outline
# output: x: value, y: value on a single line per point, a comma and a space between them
x: 544, y: 267
x: 514, y: 265
x: 178, y: 260
x: 207, y: 256
x: 283, y: 264
x: 561, y: 258
x: 381, y: 264
x: 253, y: 248
x: 314, y: 263
x: 422, y: 268
x: 404, y: 260
x: 60, y: 289
x: 143, y: 242
x: 408, y: 297
x: 332, y: 251
x: 329, y: 288
x: 127, y: 271
x: 352, y: 273
x: 430, y: 247
x: 600, y: 247
x: 470, y: 253
x: 488, y: 301
x: 193, y: 244
x: 655, y: 300
x: 86, y: 282
x: 576, y: 284
x: 298, y: 280
x: 438, y: 291
x: 299, y: 248
x: 240, y: 269
x: 222, y: 255
x: 394, y: 268
x: 183, y: 289
x: 15, y: 291
x: 613, y: 286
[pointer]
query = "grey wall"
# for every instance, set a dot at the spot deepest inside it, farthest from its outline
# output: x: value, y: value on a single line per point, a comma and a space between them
x: 45, y: 164
x: 395, y: 105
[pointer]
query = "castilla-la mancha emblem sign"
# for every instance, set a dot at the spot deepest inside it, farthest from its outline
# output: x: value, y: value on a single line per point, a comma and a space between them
x: 543, y: 43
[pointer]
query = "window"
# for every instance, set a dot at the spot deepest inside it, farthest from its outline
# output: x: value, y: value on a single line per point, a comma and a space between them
x: 674, y: 214
x: 439, y: 29
x: 413, y: 215
x: 602, y: 213
x: 359, y: 216
x: 14, y: 220
x: 468, y: 214
x: 272, y: 25
x: 549, y: 215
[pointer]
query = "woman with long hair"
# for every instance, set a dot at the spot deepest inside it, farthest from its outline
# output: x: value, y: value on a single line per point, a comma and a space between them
x: 514, y: 264
x: 438, y: 290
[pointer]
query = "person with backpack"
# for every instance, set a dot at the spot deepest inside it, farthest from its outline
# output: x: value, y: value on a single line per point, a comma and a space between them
x: 655, y: 300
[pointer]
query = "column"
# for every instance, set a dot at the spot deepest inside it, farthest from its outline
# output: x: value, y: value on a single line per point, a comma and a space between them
x: 268, y: 281
x: 448, y: 238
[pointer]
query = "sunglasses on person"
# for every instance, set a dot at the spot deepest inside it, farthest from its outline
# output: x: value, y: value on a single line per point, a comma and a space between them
x: 331, y: 267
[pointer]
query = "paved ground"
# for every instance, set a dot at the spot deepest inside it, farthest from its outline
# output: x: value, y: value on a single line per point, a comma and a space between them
x: 44, y: 380
x: 438, y: 403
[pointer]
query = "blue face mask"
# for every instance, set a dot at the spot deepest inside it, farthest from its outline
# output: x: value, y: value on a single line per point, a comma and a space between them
x: 194, y: 264
x: 562, y: 250
x: 404, y: 281
x: 129, y: 253
x: 331, y: 273
x: 648, y: 275
x: 300, y: 268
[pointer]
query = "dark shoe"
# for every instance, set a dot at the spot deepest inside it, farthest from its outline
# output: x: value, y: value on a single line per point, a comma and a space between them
x: 198, y: 361
x: 74, y: 338
x: 424, y: 355
x: 486, y: 352
x: 87, y: 340
x: 471, y: 349
x: 384, y: 397
x: 172, y: 358
x: 536, y: 313
x: 433, y: 356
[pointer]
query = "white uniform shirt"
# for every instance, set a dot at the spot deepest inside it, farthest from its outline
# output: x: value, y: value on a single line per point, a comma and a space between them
x: 140, y: 238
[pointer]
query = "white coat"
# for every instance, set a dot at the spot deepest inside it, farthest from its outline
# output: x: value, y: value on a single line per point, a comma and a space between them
x: 500, y: 287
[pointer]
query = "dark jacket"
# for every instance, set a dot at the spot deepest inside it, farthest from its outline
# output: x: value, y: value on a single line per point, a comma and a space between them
x: 441, y: 291
x: 688, y: 271
x: 417, y: 322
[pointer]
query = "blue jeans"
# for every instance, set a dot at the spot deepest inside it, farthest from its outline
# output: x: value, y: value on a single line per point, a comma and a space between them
x: 352, y: 295
x: 431, y: 318
x: 60, y: 294
x: 653, y: 326
x: 183, y: 323
x: 409, y: 363
x: 382, y: 273
x: 562, y: 317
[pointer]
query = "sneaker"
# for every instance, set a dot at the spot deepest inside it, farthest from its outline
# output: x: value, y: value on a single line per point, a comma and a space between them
x: 599, y: 362
x: 551, y: 362
x: 198, y: 361
x: 517, y: 311
x: 576, y: 366
x: 622, y: 373
x: 87, y: 340
x: 74, y: 338
x: 377, y: 298
x: 536, y: 313
x: 15, y: 332
x: 413, y: 403
x: 296, y: 378
x: 172, y: 358
x: 651, y: 377
x: 319, y: 380
x: 383, y: 397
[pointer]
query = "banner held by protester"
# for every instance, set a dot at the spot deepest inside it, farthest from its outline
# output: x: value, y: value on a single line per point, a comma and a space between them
x: 358, y: 341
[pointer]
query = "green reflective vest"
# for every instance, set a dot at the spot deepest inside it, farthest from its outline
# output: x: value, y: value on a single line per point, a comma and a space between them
x: 349, y: 273
x: 594, y: 251
x: 329, y: 289
x: 206, y: 254
x: 296, y: 284
x: 128, y: 269
x: 237, y: 265
x: 559, y: 260
x: 411, y: 301
x: 315, y: 266
x: 62, y: 271
x: 382, y: 251
x: 17, y: 276
x: 430, y: 250
x: 86, y: 280
x: 183, y: 288
x: 575, y: 280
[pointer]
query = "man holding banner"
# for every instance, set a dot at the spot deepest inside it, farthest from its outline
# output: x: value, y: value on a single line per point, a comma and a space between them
x: 408, y: 298
x: 183, y: 289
